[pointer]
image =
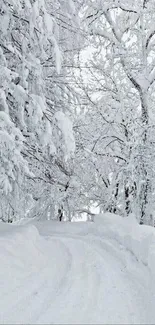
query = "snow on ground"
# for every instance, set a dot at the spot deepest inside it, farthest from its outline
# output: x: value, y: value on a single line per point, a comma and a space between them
x: 77, y: 273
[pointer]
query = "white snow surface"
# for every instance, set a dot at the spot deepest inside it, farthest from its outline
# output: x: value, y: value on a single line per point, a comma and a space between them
x: 100, y: 272
x: 66, y: 127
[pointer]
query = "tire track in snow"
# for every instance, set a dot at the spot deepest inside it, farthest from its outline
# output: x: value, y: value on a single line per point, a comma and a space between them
x: 28, y: 296
x: 83, y: 290
x: 91, y: 287
x: 62, y: 287
x: 100, y: 248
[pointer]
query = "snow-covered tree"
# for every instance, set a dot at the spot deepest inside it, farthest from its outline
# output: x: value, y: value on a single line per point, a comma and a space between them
x: 37, y: 138
x: 119, y: 88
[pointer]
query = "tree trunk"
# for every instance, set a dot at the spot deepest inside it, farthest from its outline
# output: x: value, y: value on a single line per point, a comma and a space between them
x: 144, y: 173
x: 112, y: 206
x: 127, y: 199
x: 115, y: 198
x: 60, y: 213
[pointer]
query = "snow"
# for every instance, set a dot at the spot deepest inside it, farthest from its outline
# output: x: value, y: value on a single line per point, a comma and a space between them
x: 72, y: 6
x: 98, y: 272
x: 58, y: 55
x: 66, y: 127
x: 4, y: 23
x: 143, y: 81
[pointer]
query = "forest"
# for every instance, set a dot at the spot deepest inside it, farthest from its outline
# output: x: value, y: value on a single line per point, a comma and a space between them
x: 77, y: 109
x: 77, y: 162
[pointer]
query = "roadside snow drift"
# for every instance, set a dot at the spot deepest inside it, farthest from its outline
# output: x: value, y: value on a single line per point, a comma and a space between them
x: 77, y: 273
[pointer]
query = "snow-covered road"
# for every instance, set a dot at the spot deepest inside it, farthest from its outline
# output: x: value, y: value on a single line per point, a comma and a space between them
x: 77, y: 278
x: 94, y: 288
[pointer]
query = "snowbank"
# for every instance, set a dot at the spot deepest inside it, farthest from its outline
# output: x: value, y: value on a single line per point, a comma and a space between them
x: 138, y: 239
x: 54, y: 272
x: 22, y: 252
x: 23, y: 248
